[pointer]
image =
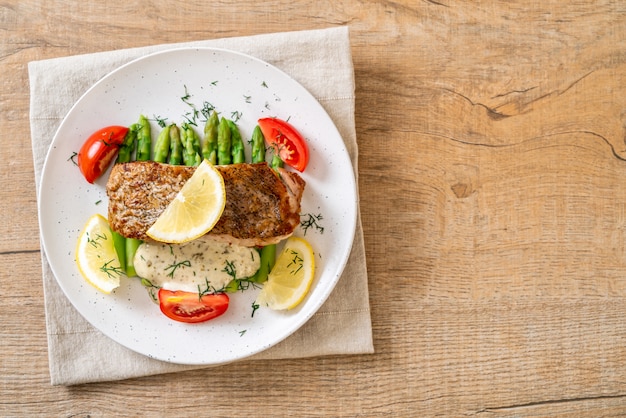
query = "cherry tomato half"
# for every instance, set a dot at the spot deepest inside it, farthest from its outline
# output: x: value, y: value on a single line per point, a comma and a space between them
x: 99, y: 150
x: 191, y: 307
x: 282, y: 136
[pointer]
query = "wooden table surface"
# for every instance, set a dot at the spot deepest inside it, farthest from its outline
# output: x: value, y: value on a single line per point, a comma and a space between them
x: 492, y: 165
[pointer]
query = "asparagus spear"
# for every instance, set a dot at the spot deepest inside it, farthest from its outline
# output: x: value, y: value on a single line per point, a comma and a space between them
x: 176, y: 146
x: 257, y: 143
x: 277, y: 162
x: 237, y: 150
x: 191, y: 146
x: 144, y: 139
x: 209, y: 148
x: 126, y: 150
x: 162, y: 146
x: 224, y: 155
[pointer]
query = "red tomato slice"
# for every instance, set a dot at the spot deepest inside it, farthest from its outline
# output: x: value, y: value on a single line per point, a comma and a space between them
x: 190, y: 307
x: 284, y: 138
x: 99, y: 150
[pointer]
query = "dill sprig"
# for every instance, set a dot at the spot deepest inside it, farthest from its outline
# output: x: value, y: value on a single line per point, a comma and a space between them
x: 296, y: 263
x: 243, y: 285
x: 162, y: 122
x: 207, y: 109
x: 174, y: 266
x: 230, y: 269
x: 208, y: 289
x: 235, y: 116
x: 312, y: 221
x: 111, y: 270
x: 191, y: 116
x: 95, y: 242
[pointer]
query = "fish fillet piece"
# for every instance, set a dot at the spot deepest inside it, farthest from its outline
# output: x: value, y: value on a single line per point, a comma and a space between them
x: 262, y: 207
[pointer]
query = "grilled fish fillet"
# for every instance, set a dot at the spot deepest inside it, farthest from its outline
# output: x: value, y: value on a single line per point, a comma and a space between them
x: 262, y: 207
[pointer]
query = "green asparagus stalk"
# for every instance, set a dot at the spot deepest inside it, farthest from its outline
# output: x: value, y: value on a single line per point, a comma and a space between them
x: 131, y: 248
x: 191, y: 146
x: 209, y: 148
x: 258, y: 146
x: 144, y: 139
x: 277, y: 162
x: 268, y: 259
x: 125, y: 153
x: 119, y: 243
x: 237, y: 150
x: 224, y: 155
x: 176, y: 146
x: 162, y: 146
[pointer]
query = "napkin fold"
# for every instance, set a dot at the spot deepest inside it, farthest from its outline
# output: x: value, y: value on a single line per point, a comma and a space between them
x: 321, y: 61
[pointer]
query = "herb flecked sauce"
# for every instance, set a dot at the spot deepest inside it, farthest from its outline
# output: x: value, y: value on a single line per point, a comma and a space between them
x: 202, y: 265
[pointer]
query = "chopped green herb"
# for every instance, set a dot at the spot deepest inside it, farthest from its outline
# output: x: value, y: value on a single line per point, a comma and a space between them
x: 173, y: 267
x: 194, y: 113
x: 296, y: 263
x: 255, y: 306
x: 152, y: 289
x: 148, y: 283
x: 312, y: 221
x: 208, y: 289
x: 207, y: 109
x: 191, y: 117
x: 245, y: 285
x: 235, y: 116
x: 111, y: 270
x: 187, y: 96
x: 95, y: 242
x: 162, y: 122
x: 230, y: 269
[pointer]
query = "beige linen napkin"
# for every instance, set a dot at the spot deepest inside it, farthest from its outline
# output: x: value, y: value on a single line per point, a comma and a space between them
x: 321, y: 61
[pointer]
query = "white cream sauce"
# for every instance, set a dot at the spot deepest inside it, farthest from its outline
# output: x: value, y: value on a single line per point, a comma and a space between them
x: 195, y: 266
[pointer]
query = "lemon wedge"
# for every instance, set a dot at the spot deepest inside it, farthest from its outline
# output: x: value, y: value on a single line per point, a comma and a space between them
x: 96, y: 257
x: 195, y: 210
x: 291, y: 277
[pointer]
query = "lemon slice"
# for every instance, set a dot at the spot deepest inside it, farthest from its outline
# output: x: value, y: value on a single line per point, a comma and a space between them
x: 195, y: 210
x: 291, y: 277
x: 96, y: 257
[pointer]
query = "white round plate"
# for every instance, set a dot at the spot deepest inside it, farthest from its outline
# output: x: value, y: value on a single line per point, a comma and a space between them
x: 167, y: 85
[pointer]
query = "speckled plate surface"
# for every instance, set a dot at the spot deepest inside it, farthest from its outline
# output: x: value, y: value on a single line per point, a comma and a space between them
x: 171, y: 85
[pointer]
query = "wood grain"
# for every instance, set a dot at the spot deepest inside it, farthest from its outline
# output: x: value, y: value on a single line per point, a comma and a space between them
x: 492, y: 158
